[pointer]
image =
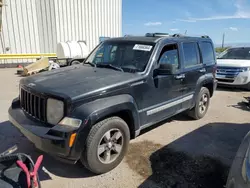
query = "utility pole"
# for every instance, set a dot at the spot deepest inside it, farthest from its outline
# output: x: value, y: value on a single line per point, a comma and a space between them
x: 223, y: 40
x: 1, y: 7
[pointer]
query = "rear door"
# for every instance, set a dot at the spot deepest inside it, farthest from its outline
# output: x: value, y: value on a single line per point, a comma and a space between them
x: 208, y: 57
x: 193, y: 70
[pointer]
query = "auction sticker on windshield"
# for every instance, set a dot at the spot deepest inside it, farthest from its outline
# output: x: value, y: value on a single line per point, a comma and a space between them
x: 142, y: 47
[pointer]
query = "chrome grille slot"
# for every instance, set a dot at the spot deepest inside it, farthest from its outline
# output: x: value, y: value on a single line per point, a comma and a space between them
x: 34, y: 105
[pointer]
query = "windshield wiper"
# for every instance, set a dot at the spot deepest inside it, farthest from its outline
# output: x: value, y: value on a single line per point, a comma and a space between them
x: 109, y: 66
x: 89, y: 63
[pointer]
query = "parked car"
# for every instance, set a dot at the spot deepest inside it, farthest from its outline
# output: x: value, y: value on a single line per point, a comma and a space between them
x: 234, y: 67
x: 239, y: 175
x: 90, y: 112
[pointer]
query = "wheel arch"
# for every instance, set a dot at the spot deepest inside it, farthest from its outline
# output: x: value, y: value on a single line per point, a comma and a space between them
x: 122, y: 106
x: 203, y: 81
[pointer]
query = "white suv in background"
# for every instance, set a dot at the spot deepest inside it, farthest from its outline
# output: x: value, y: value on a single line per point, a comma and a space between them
x: 233, y: 67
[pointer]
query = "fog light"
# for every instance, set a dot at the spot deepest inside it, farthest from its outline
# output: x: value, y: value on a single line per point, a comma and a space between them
x: 245, y: 79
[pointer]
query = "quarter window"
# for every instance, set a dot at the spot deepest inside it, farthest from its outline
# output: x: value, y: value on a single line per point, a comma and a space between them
x: 191, y: 57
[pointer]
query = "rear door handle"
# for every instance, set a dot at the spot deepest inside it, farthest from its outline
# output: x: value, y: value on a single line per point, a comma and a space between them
x: 180, y: 76
x: 202, y: 70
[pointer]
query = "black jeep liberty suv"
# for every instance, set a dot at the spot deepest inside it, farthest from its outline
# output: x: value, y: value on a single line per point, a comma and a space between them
x: 89, y: 112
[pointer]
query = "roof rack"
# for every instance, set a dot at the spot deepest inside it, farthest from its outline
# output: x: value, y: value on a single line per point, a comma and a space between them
x: 157, y: 35
x: 181, y: 35
x: 174, y: 35
x: 178, y: 35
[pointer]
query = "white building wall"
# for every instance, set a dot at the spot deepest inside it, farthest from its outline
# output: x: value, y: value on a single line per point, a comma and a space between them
x: 19, y: 28
x: 36, y: 26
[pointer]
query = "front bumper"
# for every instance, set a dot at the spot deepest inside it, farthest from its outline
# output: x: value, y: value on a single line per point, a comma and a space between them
x: 52, y: 140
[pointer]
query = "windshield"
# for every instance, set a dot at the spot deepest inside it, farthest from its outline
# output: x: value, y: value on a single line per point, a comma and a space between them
x: 236, y: 53
x: 129, y: 56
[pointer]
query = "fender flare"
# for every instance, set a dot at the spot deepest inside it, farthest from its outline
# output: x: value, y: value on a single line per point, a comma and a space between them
x: 203, y: 80
x: 96, y: 110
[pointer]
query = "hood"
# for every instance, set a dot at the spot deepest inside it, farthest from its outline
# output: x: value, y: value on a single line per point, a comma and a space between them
x: 233, y: 63
x: 78, y: 81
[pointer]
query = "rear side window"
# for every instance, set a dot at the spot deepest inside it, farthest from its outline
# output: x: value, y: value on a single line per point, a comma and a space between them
x: 207, y: 52
x: 191, y: 57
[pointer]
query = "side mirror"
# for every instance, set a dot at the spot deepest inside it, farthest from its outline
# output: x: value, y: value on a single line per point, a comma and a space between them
x: 166, y: 69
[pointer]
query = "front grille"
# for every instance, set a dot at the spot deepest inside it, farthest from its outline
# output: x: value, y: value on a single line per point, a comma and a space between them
x: 228, y: 74
x: 33, y: 104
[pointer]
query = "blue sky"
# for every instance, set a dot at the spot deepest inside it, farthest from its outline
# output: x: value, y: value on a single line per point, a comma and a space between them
x: 210, y: 17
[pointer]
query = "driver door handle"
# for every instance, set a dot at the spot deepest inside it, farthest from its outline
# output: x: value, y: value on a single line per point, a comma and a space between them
x: 180, y: 76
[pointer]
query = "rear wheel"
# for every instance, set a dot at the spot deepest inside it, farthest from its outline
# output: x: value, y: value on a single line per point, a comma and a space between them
x: 201, y: 105
x: 107, y: 143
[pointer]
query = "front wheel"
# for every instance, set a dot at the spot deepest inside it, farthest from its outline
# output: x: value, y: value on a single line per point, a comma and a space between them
x: 201, y: 105
x: 107, y: 143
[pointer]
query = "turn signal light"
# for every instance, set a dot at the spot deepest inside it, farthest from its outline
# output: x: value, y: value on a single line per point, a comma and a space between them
x: 72, y: 139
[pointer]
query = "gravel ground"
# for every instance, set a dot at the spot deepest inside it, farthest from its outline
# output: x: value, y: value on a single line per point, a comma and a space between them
x: 179, y: 152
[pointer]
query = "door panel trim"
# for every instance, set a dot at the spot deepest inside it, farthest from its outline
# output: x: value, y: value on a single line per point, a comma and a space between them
x: 169, y: 105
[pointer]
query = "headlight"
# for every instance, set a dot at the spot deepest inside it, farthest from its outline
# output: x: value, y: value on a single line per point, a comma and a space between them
x: 71, y: 122
x: 55, y: 111
x: 245, y: 69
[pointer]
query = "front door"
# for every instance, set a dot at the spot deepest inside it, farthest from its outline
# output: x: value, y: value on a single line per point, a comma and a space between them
x: 164, y: 97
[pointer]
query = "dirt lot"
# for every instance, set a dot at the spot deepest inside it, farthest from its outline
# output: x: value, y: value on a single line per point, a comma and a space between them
x: 176, y: 153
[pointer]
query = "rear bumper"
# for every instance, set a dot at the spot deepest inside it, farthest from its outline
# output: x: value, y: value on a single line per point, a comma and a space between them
x: 45, y: 138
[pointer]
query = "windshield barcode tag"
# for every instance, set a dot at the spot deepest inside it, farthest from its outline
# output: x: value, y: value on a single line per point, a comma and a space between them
x: 142, y: 47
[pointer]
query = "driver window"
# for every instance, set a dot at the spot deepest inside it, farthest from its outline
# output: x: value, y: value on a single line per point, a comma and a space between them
x: 169, y: 55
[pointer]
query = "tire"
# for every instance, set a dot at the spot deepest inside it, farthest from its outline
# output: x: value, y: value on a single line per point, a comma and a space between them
x: 198, y: 112
x: 99, y: 163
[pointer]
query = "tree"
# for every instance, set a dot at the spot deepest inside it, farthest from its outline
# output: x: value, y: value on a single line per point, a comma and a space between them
x: 219, y: 49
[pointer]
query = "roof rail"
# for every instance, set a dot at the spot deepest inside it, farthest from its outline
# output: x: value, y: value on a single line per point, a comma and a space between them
x: 157, y: 35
